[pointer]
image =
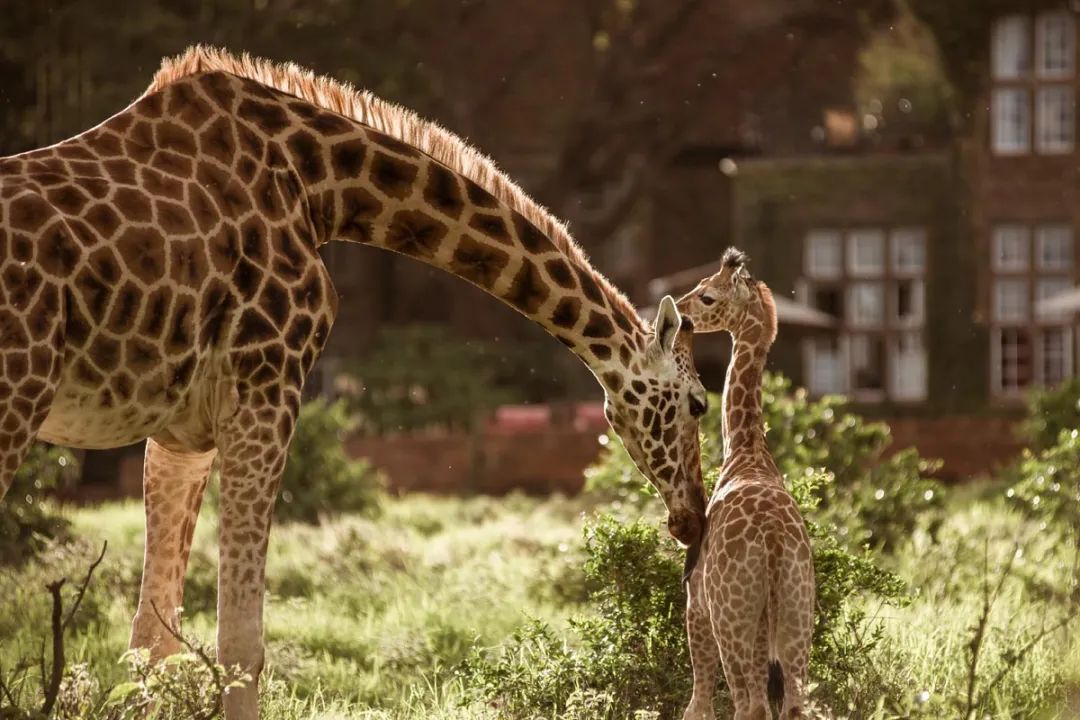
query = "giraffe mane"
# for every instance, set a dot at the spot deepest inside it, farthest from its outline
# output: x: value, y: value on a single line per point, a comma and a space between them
x: 398, y: 122
x: 769, y: 306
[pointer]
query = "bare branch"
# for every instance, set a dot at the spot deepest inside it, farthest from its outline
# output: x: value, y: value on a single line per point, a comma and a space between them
x: 52, y: 683
x: 85, y: 584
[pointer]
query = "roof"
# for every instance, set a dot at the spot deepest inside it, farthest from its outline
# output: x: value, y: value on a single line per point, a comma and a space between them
x: 788, y: 311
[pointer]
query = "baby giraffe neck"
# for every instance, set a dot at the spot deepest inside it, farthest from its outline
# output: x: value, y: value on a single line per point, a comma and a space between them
x: 744, y: 429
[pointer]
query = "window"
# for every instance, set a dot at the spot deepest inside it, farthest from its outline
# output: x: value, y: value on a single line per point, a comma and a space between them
x: 1047, y: 45
x: 1012, y: 121
x: 1014, y: 359
x: 824, y: 367
x: 867, y: 304
x: 1055, y: 119
x: 1055, y: 360
x: 867, y: 364
x: 866, y: 254
x: 909, y: 251
x: 871, y: 280
x: 1010, y: 248
x: 1054, y: 247
x: 1056, y: 45
x: 1011, y: 300
x: 823, y: 254
x: 1011, y: 48
x: 1027, y: 349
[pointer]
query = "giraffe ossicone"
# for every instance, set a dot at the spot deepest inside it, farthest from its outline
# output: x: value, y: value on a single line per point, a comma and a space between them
x: 159, y: 278
x: 751, y: 593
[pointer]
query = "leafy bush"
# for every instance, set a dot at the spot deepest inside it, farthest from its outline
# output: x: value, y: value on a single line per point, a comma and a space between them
x: 872, y: 500
x: 27, y: 521
x: 1049, y: 412
x: 630, y: 655
x: 420, y: 376
x: 320, y: 478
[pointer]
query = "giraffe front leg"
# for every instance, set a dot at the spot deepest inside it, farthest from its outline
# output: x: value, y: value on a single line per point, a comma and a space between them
x: 173, y: 485
x: 704, y: 650
x: 253, y: 454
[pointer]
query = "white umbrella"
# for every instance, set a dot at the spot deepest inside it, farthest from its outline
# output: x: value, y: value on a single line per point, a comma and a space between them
x: 1061, y: 304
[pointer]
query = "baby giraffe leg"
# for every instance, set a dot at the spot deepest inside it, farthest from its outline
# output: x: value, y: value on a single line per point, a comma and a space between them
x: 704, y: 651
x: 173, y: 485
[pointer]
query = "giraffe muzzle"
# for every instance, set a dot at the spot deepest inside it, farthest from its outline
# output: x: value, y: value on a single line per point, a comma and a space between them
x: 686, y: 526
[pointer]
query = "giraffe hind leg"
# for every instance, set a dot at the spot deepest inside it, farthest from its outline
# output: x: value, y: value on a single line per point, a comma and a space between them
x: 173, y: 485
x: 793, y: 635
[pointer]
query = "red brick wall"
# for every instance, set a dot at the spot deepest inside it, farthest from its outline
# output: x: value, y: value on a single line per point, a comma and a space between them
x: 546, y: 461
x: 535, y: 462
x: 969, y: 446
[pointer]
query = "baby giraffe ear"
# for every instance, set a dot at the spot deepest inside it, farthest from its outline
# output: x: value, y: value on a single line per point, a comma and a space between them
x: 667, y: 325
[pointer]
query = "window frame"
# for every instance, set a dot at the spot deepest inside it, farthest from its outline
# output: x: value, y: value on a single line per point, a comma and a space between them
x: 887, y: 274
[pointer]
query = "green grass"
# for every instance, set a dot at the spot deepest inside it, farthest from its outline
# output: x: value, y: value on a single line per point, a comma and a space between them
x: 372, y: 618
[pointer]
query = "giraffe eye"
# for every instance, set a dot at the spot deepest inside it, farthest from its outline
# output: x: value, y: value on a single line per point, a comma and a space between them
x: 698, y: 407
x: 707, y: 299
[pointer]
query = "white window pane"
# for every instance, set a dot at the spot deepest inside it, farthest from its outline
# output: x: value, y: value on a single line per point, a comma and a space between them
x: 866, y: 304
x: 1054, y: 247
x: 1055, y: 44
x: 1011, y: 300
x: 823, y: 254
x: 1014, y: 371
x: 1055, y: 358
x: 867, y: 363
x: 1011, y: 47
x: 1048, y: 288
x: 908, y: 367
x: 1010, y: 247
x: 824, y: 367
x: 1011, y: 121
x: 866, y: 252
x: 907, y: 302
x: 1056, y: 119
x: 909, y: 250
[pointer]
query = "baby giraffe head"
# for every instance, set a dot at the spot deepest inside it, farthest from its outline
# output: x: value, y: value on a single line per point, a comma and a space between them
x: 732, y: 301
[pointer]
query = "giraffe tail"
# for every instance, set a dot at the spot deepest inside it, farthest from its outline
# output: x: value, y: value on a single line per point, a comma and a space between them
x: 776, y: 683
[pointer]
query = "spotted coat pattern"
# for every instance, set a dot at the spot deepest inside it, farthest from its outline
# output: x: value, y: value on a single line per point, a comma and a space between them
x: 159, y: 278
x: 751, y: 596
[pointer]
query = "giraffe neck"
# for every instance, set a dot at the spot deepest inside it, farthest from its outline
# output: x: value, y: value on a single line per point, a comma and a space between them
x: 743, y: 426
x: 389, y: 195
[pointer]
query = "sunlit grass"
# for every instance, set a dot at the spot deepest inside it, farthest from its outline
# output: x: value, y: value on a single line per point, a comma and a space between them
x: 371, y: 618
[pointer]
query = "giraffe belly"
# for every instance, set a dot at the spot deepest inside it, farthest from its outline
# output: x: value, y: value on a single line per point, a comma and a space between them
x: 79, y: 419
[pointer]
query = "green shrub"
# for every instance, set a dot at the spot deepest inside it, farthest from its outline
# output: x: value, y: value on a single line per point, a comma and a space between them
x: 1049, y: 412
x: 420, y: 376
x: 629, y: 654
x: 873, y: 501
x: 27, y: 520
x: 320, y: 478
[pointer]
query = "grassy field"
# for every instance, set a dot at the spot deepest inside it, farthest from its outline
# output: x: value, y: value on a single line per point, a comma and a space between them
x: 373, y: 618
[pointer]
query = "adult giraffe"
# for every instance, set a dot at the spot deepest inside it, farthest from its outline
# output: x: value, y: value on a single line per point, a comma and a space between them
x: 160, y: 279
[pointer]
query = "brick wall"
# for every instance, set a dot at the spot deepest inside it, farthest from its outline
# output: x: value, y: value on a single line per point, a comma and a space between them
x: 535, y: 462
x: 969, y: 446
x: 546, y: 460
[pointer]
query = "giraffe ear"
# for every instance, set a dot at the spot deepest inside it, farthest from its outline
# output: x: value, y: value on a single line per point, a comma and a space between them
x: 667, y: 325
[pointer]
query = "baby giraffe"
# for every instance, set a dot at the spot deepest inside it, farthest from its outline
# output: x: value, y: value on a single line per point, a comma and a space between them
x: 751, y: 594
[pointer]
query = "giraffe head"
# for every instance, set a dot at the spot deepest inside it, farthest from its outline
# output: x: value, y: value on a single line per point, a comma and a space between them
x: 732, y: 301
x: 654, y: 405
